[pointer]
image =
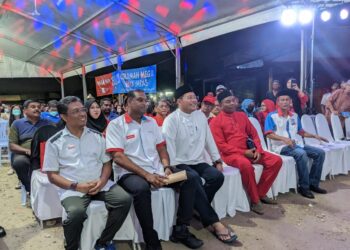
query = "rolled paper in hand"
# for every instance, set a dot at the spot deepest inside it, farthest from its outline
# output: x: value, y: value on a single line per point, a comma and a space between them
x: 176, y: 177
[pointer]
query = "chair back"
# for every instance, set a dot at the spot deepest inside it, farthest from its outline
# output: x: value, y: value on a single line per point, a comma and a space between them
x: 323, y: 128
x: 347, y: 127
x: 337, y: 128
x: 38, y: 144
x: 257, y: 126
x: 4, y: 138
x: 308, y: 126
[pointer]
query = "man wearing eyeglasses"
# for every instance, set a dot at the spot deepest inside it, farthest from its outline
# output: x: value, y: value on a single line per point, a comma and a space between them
x: 76, y: 161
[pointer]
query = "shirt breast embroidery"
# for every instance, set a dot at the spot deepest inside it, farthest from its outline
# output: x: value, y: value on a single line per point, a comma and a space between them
x: 128, y: 137
x: 70, y: 146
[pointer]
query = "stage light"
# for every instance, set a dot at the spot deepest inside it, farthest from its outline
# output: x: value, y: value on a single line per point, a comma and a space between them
x: 305, y: 16
x: 289, y: 17
x: 326, y: 16
x: 344, y: 14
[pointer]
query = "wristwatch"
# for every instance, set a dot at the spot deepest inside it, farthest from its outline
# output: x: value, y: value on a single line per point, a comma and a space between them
x: 73, y: 186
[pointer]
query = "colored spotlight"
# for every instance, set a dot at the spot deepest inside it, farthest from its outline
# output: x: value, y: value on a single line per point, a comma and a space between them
x: 305, y: 16
x: 326, y: 16
x: 289, y: 17
x: 344, y: 14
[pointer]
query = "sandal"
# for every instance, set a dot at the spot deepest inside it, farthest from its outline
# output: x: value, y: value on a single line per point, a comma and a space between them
x: 230, y: 233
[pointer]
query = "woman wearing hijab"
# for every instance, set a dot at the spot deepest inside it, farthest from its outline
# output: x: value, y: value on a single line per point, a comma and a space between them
x: 248, y: 107
x: 267, y: 106
x: 95, y: 119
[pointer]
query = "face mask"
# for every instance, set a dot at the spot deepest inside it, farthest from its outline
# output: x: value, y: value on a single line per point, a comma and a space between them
x: 7, y: 111
x: 16, y: 112
x: 53, y: 113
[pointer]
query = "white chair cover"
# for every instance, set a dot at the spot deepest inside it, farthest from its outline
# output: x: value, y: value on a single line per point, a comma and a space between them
x: 231, y: 196
x: 347, y: 127
x: 334, y: 163
x: 287, y: 176
x: 164, y: 214
x: 44, y: 197
x: 4, y: 141
x: 96, y: 222
x: 163, y: 208
x: 337, y: 128
x: 323, y: 130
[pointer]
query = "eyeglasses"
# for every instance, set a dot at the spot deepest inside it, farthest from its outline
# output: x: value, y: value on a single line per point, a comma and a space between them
x: 190, y: 98
x: 77, y: 111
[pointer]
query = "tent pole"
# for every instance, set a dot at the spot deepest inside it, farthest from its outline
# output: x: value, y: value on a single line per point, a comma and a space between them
x: 302, y: 59
x: 84, y: 83
x: 119, y: 68
x: 178, y: 63
x: 312, y: 66
x: 62, y: 86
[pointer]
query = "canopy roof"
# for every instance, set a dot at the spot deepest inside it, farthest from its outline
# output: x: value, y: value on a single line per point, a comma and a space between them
x: 57, y: 37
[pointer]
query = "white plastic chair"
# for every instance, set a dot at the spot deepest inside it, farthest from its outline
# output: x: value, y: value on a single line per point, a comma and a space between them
x: 334, y: 163
x: 287, y: 176
x: 324, y: 131
x: 323, y: 128
x: 347, y: 128
x: 44, y: 198
x: 4, y: 141
x: 231, y: 197
x: 337, y: 128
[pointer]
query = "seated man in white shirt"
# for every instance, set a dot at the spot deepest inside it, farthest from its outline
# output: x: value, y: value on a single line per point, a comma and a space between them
x: 76, y: 161
x: 187, y: 136
x: 139, y: 151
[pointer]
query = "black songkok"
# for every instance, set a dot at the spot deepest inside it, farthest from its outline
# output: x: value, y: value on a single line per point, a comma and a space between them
x: 180, y: 91
x: 223, y: 95
x: 283, y: 92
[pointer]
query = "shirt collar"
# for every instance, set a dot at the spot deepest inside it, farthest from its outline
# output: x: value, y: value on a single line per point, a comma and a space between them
x: 65, y: 132
x: 280, y: 113
x: 27, y: 120
x: 128, y: 118
x: 185, y: 114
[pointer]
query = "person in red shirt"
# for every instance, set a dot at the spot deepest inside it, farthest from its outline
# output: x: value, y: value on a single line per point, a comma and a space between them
x: 162, y: 109
x: 207, y: 106
x: 239, y: 146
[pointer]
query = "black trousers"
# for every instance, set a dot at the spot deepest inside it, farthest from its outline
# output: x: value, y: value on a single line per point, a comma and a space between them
x: 118, y: 203
x: 21, y: 164
x: 140, y: 189
x: 205, y: 193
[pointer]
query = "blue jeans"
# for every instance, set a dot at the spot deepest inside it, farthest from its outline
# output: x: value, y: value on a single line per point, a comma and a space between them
x: 301, y: 157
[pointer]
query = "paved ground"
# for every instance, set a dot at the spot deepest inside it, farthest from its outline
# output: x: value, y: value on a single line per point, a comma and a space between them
x: 296, y: 223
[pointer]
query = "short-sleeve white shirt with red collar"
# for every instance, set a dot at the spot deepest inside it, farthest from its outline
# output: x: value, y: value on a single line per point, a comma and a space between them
x: 138, y: 142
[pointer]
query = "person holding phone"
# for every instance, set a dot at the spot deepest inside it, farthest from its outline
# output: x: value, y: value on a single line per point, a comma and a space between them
x: 299, y: 98
x: 230, y: 130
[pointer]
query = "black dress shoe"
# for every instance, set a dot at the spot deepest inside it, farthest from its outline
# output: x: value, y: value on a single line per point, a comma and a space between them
x: 318, y: 190
x: 2, y: 232
x: 182, y: 235
x: 306, y: 193
x: 150, y: 247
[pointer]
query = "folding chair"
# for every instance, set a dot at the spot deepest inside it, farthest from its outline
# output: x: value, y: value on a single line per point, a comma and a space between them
x: 333, y: 163
x: 324, y: 131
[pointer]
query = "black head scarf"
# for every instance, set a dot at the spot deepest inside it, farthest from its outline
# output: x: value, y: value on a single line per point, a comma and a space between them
x: 98, y: 124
